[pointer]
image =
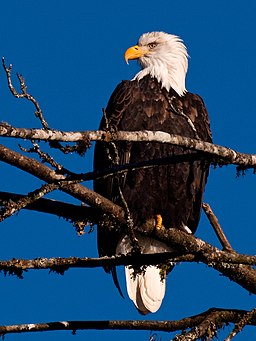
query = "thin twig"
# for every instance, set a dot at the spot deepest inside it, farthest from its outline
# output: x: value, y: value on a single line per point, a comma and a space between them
x: 13, y: 207
x: 181, y: 113
x: 24, y: 93
x: 46, y: 158
x: 217, y: 228
x: 123, y: 169
x: 114, y: 158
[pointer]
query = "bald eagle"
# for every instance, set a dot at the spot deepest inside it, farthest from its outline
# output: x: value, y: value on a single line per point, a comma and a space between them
x: 155, y: 99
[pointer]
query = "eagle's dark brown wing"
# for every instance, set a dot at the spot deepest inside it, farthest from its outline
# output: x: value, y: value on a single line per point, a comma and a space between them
x: 105, y: 157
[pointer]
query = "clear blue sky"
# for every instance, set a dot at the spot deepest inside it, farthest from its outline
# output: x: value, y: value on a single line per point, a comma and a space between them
x: 71, y: 56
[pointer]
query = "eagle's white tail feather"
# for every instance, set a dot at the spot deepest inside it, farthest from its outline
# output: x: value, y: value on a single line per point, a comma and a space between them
x: 146, y: 290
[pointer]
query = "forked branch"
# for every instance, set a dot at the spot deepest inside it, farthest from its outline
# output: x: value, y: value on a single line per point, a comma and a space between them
x: 23, y: 93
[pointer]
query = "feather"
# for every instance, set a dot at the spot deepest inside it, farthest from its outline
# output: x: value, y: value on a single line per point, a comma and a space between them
x: 147, y: 289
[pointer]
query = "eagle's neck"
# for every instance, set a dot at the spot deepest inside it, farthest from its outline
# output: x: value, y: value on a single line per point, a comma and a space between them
x: 169, y: 69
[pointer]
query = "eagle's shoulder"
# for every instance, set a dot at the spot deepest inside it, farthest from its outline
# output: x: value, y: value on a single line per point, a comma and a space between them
x: 193, y: 106
x: 120, y: 99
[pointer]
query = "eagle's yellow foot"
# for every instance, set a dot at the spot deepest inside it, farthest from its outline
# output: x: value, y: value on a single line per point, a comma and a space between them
x: 159, y: 222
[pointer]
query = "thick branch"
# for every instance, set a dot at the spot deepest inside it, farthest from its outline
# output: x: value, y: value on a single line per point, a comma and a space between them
x: 218, y: 316
x: 226, y: 154
x: 47, y: 174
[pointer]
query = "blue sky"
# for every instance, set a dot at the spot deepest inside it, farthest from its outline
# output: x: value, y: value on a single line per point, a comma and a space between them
x: 71, y: 56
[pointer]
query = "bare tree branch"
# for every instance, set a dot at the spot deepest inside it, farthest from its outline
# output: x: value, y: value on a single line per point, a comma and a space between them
x: 216, y: 151
x: 46, y: 158
x: 14, y: 206
x: 219, y: 317
x: 24, y: 93
x: 55, y: 207
x: 47, y: 174
x: 143, y: 259
x: 216, y: 226
x: 239, y: 325
x: 206, y: 329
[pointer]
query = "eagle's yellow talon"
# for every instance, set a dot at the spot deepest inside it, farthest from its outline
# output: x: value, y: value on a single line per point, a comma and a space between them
x: 159, y: 221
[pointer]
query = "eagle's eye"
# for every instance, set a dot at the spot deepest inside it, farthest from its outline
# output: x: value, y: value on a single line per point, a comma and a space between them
x: 152, y: 45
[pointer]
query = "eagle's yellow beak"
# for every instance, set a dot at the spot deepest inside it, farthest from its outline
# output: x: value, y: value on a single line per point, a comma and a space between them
x: 134, y: 52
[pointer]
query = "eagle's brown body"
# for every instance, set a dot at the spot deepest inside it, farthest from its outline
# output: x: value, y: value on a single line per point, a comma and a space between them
x: 175, y: 191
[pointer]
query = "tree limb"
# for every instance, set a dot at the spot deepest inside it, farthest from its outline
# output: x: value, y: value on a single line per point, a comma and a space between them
x: 218, y: 316
x: 12, y: 207
x: 226, y: 154
x: 47, y: 174
x: 50, y: 206
x: 24, y: 93
x: 217, y: 228
x: 138, y: 260
x: 239, y: 325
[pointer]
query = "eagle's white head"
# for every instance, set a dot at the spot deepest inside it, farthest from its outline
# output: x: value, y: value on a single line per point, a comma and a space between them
x: 163, y: 56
